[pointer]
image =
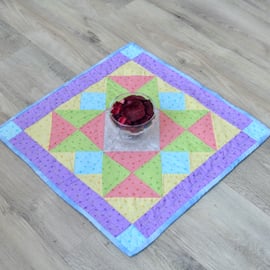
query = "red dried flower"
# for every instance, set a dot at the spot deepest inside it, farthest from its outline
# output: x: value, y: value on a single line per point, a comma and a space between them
x: 132, y: 110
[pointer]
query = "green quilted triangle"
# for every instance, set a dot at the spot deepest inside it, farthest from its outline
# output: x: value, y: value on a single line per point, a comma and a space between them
x: 76, y: 142
x: 112, y: 174
x: 151, y: 174
x: 185, y: 118
x: 151, y: 89
x: 187, y: 142
x: 78, y: 117
x: 113, y: 90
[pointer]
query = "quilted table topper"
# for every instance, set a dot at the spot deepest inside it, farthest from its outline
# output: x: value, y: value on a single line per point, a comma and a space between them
x: 132, y: 192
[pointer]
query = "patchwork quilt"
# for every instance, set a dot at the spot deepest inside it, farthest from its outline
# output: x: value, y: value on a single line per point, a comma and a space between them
x: 132, y: 192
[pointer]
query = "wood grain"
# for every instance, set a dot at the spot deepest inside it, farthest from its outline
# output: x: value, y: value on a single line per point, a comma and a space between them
x: 223, y: 44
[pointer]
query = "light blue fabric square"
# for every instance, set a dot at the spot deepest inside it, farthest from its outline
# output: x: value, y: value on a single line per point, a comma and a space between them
x: 88, y: 162
x: 131, y: 239
x: 132, y: 51
x: 175, y: 162
x: 172, y: 101
x: 93, y: 101
x: 256, y: 129
x: 9, y: 131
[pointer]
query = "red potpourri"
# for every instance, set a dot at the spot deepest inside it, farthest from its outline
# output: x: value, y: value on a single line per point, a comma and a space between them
x: 132, y: 110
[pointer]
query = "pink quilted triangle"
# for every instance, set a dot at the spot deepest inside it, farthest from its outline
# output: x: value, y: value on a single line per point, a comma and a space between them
x: 60, y: 130
x: 132, y: 186
x: 204, y: 130
x: 94, y: 130
x: 169, y: 130
x: 133, y: 82
x: 131, y: 160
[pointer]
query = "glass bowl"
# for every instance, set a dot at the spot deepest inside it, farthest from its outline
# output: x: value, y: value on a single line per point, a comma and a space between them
x: 132, y: 114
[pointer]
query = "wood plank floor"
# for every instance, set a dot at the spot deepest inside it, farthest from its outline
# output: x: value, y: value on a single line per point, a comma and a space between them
x: 224, y: 44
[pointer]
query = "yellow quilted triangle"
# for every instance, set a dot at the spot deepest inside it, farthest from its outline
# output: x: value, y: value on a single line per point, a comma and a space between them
x: 132, y: 208
x: 41, y: 131
x: 98, y: 87
x: 72, y: 104
x: 165, y: 87
x: 94, y: 181
x: 67, y: 159
x: 224, y: 131
x: 198, y: 158
x: 131, y: 68
x: 171, y: 180
x: 193, y: 104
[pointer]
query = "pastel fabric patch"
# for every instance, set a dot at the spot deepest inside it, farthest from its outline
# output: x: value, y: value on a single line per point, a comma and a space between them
x: 132, y: 195
x: 172, y: 101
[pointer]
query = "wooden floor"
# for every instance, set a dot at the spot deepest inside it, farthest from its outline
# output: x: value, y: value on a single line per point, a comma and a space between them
x: 224, y: 44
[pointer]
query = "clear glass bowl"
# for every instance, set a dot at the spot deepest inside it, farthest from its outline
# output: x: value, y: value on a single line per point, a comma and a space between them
x: 132, y: 130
